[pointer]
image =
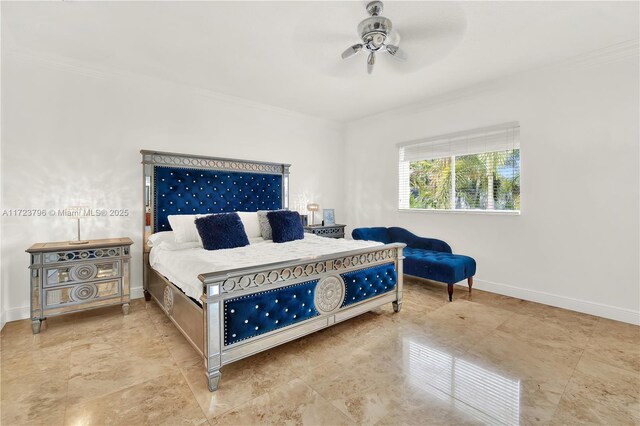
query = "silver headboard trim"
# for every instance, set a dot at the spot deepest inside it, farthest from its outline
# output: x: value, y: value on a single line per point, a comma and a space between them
x: 157, y: 158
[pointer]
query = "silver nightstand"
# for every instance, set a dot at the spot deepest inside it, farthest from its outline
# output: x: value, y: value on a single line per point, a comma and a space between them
x: 68, y: 278
x: 329, y: 231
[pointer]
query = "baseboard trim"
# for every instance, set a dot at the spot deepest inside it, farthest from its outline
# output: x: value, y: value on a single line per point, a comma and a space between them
x: 24, y: 312
x: 16, y: 314
x: 598, y: 309
x: 136, y: 293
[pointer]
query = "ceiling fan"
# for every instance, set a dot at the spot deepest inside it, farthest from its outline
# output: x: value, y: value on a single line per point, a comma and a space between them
x: 375, y: 32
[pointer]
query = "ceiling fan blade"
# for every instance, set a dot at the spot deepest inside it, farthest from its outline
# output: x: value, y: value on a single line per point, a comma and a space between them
x: 371, y: 61
x: 396, y: 52
x: 351, y: 51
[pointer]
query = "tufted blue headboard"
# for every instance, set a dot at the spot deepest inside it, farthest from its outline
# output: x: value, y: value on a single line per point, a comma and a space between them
x: 186, y: 184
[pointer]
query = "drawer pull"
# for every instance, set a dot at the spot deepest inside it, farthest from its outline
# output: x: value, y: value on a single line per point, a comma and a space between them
x: 84, y: 292
x: 84, y: 272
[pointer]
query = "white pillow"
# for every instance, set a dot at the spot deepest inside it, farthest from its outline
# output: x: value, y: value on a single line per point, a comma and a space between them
x: 251, y: 224
x: 265, y: 226
x: 160, y: 237
x: 173, y: 246
x: 184, y: 227
x: 258, y: 240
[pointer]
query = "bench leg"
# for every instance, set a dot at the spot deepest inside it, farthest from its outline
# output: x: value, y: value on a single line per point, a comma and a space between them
x: 470, y: 282
x: 450, y: 290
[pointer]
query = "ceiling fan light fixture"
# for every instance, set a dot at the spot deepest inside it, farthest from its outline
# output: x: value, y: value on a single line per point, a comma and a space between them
x: 371, y: 61
x: 374, y: 32
x: 352, y: 50
x: 375, y: 25
x: 375, y: 8
x: 396, y: 52
x: 378, y: 40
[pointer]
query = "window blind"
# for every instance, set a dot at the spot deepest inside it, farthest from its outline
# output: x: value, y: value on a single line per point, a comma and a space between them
x: 476, y: 169
x: 502, y: 137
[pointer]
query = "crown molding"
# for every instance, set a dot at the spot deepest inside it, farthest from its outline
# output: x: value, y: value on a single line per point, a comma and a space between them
x: 611, y: 54
x: 80, y: 68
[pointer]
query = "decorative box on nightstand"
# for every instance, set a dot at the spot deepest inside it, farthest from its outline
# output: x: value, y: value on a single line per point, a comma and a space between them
x: 68, y: 277
x: 330, y: 231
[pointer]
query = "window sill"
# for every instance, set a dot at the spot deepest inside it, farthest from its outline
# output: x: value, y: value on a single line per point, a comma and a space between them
x: 439, y: 211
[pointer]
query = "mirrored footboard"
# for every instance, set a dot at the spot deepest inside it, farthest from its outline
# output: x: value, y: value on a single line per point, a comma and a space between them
x: 249, y: 310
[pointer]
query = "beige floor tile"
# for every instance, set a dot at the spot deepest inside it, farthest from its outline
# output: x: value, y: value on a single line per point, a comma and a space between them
x: 543, y: 330
x: 462, y: 324
x: 34, y: 361
x: 467, y: 313
x: 607, y: 385
x: 359, y: 384
x: 540, y: 370
x: 94, y: 328
x: 179, y: 347
x: 617, y: 344
x: 495, y: 300
x: 293, y: 403
x: 126, y: 358
x: 580, y: 323
x: 417, y: 405
x: 164, y: 400
x: 55, y: 335
x: 241, y: 381
x: 37, y: 398
x: 577, y: 411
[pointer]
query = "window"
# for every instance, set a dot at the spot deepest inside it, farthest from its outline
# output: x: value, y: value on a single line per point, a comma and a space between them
x: 476, y: 170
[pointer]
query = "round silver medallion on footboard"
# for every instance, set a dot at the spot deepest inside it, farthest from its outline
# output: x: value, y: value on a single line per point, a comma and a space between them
x: 329, y: 294
x: 168, y: 299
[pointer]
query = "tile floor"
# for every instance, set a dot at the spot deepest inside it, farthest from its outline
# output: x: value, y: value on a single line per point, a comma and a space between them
x: 483, y: 359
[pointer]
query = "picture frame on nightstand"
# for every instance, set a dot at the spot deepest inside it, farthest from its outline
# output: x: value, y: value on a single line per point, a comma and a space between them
x: 328, y: 217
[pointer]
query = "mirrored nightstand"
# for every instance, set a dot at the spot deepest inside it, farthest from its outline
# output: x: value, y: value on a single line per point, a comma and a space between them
x: 67, y: 278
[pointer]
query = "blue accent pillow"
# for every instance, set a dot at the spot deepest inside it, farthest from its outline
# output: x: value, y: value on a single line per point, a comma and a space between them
x: 222, y: 231
x: 285, y: 226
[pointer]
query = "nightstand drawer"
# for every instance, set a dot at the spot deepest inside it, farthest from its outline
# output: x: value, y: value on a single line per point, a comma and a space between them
x: 81, y: 293
x: 83, y: 272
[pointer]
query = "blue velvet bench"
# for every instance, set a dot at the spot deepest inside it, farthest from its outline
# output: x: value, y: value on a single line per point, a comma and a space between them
x: 424, y: 257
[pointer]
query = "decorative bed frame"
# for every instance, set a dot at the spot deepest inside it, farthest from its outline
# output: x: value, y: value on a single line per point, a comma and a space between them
x: 248, y: 310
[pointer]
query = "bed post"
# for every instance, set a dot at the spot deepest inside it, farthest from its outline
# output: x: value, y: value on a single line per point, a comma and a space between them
x: 148, y: 178
x: 397, y: 305
x: 212, y: 308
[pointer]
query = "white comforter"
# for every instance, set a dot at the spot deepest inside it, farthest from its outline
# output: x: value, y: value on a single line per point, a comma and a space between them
x: 181, y: 263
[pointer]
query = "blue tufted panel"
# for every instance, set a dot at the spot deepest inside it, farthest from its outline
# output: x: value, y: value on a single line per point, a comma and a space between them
x: 438, y: 266
x: 191, y: 191
x: 369, y: 282
x: 259, y: 313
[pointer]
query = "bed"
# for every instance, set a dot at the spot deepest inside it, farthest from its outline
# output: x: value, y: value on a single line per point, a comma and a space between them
x: 229, y: 308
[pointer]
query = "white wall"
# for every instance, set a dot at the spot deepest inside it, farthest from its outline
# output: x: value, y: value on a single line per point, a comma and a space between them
x: 576, y: 243
x: 73, y: 136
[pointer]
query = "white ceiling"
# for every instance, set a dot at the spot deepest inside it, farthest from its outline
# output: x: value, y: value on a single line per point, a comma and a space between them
x: 287, y: 54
